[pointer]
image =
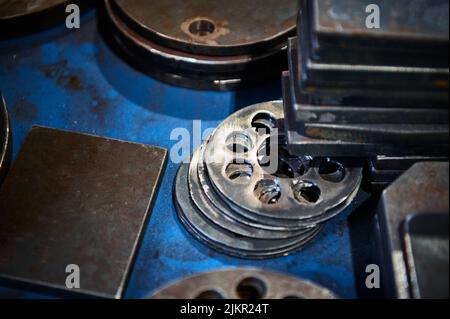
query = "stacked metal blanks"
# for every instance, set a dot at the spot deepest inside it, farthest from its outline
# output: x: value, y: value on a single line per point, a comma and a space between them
x: 243, y: 283
x: 76, y: 203
x: 245, y: 195
x: 205, y: 44
x: 404, y: 62
x: 383, y: 170
x: 5, y: 139
x: 383, y: 91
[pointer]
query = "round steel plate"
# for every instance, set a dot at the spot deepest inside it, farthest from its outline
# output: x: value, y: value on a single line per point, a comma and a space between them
x: 228, y: 199
x: 223, y: 240
x: 189, y: 68
x: 216, y: 211
x: 243, y: 283
x: 212, y: 26
x: 289, y: 205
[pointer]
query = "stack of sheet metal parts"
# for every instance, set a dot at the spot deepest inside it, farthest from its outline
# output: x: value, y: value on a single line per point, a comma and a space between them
x: 245, y: 195
x: 5, y: 139
x: 353, y: 90
x: 204, y: 44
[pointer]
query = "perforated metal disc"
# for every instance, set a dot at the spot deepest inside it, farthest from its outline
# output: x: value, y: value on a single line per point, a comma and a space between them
x: 243, y: 283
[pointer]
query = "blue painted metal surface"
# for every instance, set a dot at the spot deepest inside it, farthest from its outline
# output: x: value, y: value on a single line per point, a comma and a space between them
x: 72, y: 80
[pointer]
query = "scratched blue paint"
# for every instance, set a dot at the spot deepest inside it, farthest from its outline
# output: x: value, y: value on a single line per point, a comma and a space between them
x: 72, y: 80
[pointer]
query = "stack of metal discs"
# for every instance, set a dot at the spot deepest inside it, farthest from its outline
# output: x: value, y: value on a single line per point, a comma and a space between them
x: 204, y: 43
x: 5, y: 139
x: 245, y: 195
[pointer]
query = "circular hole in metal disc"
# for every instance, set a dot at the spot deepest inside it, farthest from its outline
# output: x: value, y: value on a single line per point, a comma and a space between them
x: 268, y: 191
x: 306, y: 192
x: 239, y: 142
x: 264, y: 123
x: 251, y: 288
x: 202, y: 27
x: 209, y: 294
x: 239, y: 169
x: 331, y: 170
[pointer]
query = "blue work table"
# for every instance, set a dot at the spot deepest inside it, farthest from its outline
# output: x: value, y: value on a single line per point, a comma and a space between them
x: 72, y: 80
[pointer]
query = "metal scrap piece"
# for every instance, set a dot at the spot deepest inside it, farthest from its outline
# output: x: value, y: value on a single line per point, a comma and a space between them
x: 413, y: 214
x: 75, y: 199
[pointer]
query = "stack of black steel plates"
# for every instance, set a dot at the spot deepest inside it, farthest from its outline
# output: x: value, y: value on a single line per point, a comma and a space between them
x: 204, y: 43
x: 245, y: 195
x: 352, y: 90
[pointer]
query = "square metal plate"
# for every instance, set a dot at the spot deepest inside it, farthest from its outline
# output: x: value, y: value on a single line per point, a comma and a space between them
x: 77, y: 199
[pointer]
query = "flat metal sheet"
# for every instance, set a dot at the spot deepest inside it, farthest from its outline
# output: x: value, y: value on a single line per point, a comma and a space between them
x: 76, y: 199
x: 412, y: 211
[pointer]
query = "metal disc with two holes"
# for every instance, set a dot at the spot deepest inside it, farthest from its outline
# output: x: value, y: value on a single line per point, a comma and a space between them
x: 205, y: 44
x: 5, y: 139
x: 243, y: 283
x: 228, y: 198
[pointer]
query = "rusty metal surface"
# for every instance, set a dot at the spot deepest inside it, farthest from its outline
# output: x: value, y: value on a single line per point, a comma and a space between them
x: 420, y: 26
x: 76, y: 199
x: 212, y: 26
x: 5, y: 139
x: 421, y: 192
x: 364, y: 78
x: 364, y: 117
x: 243, y: 283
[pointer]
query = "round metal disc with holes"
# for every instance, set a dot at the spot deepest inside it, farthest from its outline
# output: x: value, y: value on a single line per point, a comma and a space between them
x: 254, y: 170
x: 216, y: 211
x: 243, y: 283
x: 212, y: 27
x: 223, y: 240
x: 204, y: 64
x: 244, y: 195
x: 5, y: 139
